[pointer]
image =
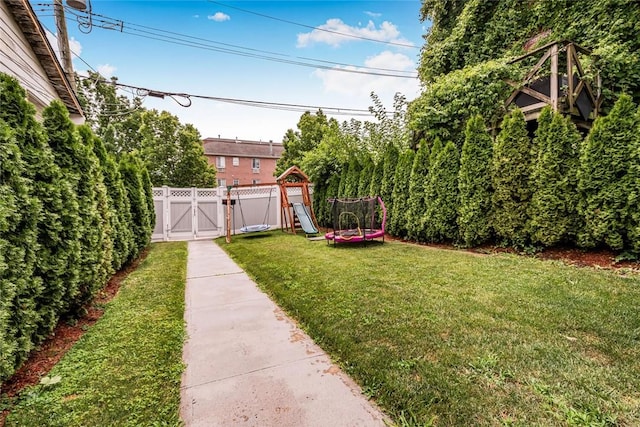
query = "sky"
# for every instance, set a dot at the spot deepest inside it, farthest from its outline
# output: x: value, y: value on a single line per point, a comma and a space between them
x: 273, y: 52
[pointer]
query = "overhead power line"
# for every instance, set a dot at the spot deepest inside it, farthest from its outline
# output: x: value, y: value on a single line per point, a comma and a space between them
x: 184, y: 99
x: 105, y: 22
x: 312, y: 27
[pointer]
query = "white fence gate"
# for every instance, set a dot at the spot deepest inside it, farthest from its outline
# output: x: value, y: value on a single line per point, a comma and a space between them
x: 200, y: 213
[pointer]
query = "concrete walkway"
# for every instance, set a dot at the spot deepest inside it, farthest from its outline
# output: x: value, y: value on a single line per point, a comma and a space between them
x: 248, y: 364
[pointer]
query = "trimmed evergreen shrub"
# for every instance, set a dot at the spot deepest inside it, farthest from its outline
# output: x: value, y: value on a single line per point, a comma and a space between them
x: 397, y: 225
x: 102, y: 223
x: 634, y: 194
x: 417, y: 182
x: 78, y: 163
x: 511, y: 170
x: 389, y: 163
x: 442, y: 195
x: 376, y: 179
x: 120, y: 218
x: 19, y: 288
x: 364, y: 180
x: 131, y: 172
x: 553, y: 209
x: 605, y: 177
x: 474, y: 184
x: 352, y: 178
x: 58, y: 234
x: 344, y: 171
x: 148, y: 192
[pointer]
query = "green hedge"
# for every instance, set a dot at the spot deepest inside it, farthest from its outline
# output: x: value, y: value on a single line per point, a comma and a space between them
x: 62, y: 232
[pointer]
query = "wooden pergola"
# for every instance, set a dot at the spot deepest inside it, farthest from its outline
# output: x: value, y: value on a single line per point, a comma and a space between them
x: 558, y: 80
x: 293, y: 178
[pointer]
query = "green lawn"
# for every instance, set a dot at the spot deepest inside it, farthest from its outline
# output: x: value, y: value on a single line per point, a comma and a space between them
x: 453, y: 338
x: 126, y: 370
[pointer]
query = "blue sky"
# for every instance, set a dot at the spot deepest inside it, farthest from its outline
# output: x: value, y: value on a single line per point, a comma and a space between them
x: 283, y: 31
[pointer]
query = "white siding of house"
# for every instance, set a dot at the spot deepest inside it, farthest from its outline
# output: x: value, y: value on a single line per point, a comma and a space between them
x: 17, y: 59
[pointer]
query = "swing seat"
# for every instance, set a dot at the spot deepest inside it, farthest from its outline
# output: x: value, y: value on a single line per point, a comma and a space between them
x: 255, y: 228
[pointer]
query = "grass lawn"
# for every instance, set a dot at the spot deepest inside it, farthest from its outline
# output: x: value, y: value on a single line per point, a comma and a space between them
x: 126, y: 370
x: 452, y: 338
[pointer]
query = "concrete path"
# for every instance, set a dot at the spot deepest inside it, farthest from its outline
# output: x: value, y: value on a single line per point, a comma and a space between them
x: 248, y: 364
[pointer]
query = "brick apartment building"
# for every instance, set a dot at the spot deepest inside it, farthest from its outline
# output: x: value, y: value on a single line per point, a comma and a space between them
x: 242, y: 162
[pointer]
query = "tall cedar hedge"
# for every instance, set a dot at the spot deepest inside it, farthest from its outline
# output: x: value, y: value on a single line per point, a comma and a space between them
x: 553, y: 212
x: 73, y: 158
x: 511, y: 166
x: 376, y: 179
x: 397, y: 224
x: 58, y: 235
x: 389, y: 163
x: 352, y: 178
x: 441, y: 195
x: 605, y: 177
x: 120, y: 219
x: 634, y: 194
x: 417, y: 181
x: 131, y: 171
x: 364, y: 181
x: 19, y: 212
x: 474, y: 184
x: 56, y: 216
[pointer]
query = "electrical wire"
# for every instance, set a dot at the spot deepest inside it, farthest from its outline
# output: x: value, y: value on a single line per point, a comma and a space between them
x: 166, y: 36
x: 312, y: 27
x: 186, y: 101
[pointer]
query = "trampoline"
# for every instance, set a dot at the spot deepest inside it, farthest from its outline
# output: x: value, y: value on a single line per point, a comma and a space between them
x: 357, y: 220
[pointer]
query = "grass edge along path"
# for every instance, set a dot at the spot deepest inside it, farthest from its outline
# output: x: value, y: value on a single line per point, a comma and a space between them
x: 126, y: 370
x: 445, y: 337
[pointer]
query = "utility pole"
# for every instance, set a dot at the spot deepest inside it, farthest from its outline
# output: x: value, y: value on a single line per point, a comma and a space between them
x: 63, y: 42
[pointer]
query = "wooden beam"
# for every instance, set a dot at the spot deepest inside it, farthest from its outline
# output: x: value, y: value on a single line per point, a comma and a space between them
x: 553, y: 85
x: 533, y: 107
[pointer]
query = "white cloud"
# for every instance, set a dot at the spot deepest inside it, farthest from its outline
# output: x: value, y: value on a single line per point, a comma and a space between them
x: 196, y: 16
x: 106, y: 70
x: 74, y: 46
x: 361, y: 85
x: 328, y: 33
x: 219, y: 17
x: 373, y: 14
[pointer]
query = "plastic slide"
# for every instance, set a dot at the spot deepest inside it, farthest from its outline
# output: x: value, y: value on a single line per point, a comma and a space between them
x: 305, y: 218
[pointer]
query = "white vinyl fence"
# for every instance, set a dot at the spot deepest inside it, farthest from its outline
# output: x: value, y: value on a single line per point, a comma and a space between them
x: 200, y: 213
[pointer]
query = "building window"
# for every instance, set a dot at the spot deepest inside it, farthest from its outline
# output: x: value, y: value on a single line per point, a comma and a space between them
x: 255, y: 165
x: 255, y: 181
x: 220, y: 163
x: 236, y: 161
x: 222, y: 182
x: 236, y: 182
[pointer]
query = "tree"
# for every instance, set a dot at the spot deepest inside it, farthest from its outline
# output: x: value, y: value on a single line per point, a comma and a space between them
x: 352, y: 178
x: 389, y: 163
x: 474, y: 184
x: 442, y: 195
x: 120, y: 219
x: 417, y: 183
x: 58, y: 235
x: 131, y: 171
x: 78, y: 162
x: 398, y: 222
x: 605, y: 176
x: 510, y: 171
x: 311, y: 129
x: 172, y: 152
x: 554, y: 215
x: 19, y: 288
x: 364, y: 180
x: 191, y: 168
